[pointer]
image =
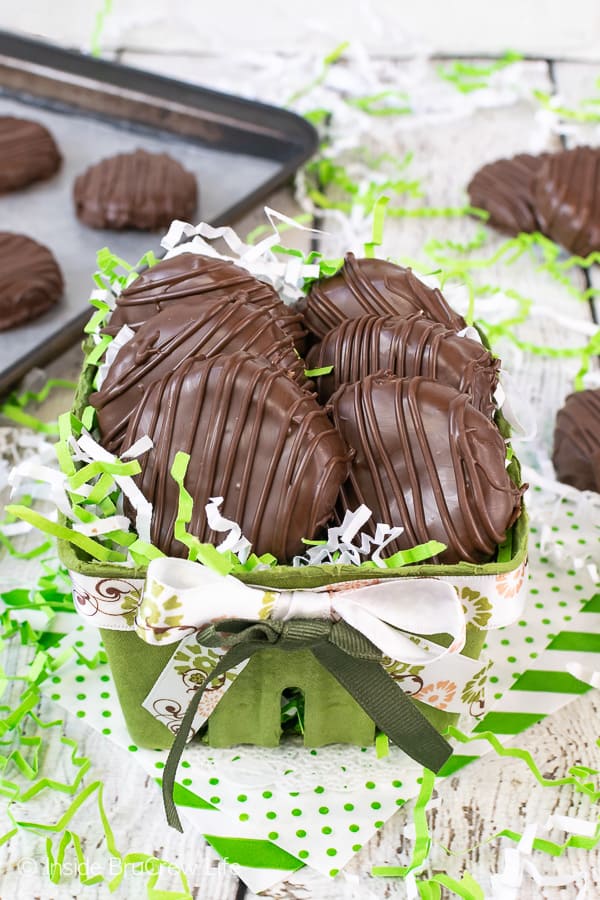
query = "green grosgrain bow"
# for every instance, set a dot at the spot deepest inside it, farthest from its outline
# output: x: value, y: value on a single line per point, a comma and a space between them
x: 350, y: 657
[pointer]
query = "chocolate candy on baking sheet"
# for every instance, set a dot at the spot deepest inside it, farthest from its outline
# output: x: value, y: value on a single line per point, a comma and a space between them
x: 405, y: 347
x: 28, y: 153
x: 135, y: 190
x: 30, y: 280
x: 426, y: 459
x: 373, y: 287
x: 255, y: 438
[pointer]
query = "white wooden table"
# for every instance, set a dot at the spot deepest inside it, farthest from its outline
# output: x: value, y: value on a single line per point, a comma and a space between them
x: 483, y: 797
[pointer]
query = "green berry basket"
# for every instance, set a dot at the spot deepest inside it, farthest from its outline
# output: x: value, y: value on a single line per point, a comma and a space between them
x: 249, y: 712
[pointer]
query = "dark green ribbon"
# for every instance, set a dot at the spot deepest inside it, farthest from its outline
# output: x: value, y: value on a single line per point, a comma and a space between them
x: 347, y: 654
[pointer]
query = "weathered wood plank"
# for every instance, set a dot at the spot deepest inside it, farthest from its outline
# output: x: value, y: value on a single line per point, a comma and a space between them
x: 388, y: 28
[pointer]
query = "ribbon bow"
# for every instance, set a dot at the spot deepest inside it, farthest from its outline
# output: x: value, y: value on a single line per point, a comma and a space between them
x: 180, y: 597
x: 350, y: 657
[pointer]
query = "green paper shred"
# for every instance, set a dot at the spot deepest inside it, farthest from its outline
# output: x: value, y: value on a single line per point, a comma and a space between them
x: 587, y: 112
x: 142, y: 552
x: 441, y: 212
x: 382, y: 745
x: 575, y: 777
x: 21, y: 761
x: 96, y: 354
x: 210, y: 556
x: 100, y: 467
x: 148, y: 864
x: 51, y: 384
x: 292, y: 711
x: 317, y: 116
x: 90, y: 546
x: 99, y: 24
x: 422, y: 843
x: 331, y: 186
x: 468, y: 77
x: 583, y: 779
x: 415, y: 554
x: 97, y: 320
x: 329, y: 61
x: 378, y: 223
x: 316, y: 373
x: 185, y: 505
x: 13, y: 407
x: 376, y: 105
x: 462, y: 264
x: 39, y: 550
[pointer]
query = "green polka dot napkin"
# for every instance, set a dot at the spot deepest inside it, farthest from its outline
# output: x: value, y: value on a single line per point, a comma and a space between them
x: 268, y: 812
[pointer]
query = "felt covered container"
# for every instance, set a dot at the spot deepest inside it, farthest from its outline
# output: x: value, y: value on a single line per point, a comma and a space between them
x: 249, y: 712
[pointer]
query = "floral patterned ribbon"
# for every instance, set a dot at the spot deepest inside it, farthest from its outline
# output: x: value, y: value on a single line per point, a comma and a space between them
x: 179, y: 598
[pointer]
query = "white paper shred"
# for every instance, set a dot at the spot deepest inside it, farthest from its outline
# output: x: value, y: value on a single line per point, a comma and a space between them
x: 509, y: 883
x: 120, y: 339
x: 53, y: 486
x: 141, y: 446
x: 339, y: 547
x: 235, y: 540
x: 287, y: 276
x: 92, y: 451
x: 582, y: 673
x: 572, y: 825
x: 544, y: 502
x: 106, y: 295
x: 102, y: 526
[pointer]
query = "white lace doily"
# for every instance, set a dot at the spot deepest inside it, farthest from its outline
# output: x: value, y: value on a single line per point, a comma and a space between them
x: 338, y: 767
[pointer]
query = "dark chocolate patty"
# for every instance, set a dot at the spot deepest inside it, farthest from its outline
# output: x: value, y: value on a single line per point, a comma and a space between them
x: 30, y: 280
x: 28, y: 153
x: 222, y: 325
x: 195, y: 280
x: 427, y: 460
x: 505, y: 190
x: 135, y: 190
x: 373, y: 287
x: 405, y: 347
x: 254, y: 438
x: 567, y: 199
x: 576, y: 455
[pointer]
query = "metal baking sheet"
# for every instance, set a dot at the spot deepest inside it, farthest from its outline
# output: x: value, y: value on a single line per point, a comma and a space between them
x: 238, y: 150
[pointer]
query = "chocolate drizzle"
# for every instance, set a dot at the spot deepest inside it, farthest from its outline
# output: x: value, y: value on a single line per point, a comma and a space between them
x: 576, y: 455
x: 426, y: 459
x: 195, y: 279
x: 365, y: 287
x: 28, y: 153
x: 254, y: 438
x: 567, y: 197
x: 227, y: 324
x: 30, y: 280
x: 405, y: 347
x: 135, y: 190
x: 505, y: 189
